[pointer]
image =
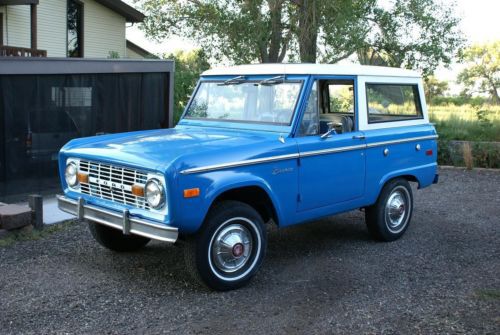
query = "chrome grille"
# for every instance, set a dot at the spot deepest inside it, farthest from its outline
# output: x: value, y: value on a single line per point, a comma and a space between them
x: 113, y: 183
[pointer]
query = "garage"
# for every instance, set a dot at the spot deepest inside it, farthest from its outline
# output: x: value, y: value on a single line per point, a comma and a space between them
x: 45, y: 102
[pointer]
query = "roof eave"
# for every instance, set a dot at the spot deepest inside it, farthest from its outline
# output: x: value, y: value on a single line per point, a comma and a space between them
x: 130, y: 14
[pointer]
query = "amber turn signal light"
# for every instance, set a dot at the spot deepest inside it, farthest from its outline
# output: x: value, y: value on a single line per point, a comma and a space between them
x: 83, y: 178
x: 191, y: 192
x: 138, y: 190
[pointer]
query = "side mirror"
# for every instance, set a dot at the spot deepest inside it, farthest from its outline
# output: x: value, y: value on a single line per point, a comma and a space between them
x: 331, y: 129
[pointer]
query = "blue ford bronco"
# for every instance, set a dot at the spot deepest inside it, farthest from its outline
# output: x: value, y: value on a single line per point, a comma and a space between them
x: 281, y: 143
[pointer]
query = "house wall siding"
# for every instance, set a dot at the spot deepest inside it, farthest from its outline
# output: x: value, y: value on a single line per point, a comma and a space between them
x: 52, y: 34
x: 51, y: 28
x: 18, y: 26
x: 4, y: 27
x: 133, y: 55
x: 104, y: 31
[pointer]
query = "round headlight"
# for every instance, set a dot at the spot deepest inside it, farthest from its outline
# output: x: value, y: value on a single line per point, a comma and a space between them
x: 71, y: 174
x: 155, y: 193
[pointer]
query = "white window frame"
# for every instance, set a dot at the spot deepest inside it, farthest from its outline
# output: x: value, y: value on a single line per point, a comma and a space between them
x: 362, y: 102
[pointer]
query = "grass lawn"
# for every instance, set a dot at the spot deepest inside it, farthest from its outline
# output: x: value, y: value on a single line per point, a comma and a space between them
x: 466, y: 123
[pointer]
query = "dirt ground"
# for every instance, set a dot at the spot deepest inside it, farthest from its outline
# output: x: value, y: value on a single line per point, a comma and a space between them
x: 326, y: 277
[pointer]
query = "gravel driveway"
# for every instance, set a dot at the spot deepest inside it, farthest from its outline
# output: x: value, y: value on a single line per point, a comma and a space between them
x: 326, y: 277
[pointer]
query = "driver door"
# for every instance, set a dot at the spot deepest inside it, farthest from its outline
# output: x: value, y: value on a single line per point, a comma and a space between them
x: 332, y: 167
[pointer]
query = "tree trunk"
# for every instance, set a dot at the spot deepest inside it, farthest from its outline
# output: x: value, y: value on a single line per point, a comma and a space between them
x: 493, y: 90
x: 275, y: 9
x: 308, y: 30
x: 494, y: 94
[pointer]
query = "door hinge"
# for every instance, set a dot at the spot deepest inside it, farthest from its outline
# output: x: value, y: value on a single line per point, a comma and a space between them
x: 299, y: 199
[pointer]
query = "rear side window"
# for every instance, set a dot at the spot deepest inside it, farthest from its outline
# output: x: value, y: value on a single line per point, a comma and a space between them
x: 393, y: 102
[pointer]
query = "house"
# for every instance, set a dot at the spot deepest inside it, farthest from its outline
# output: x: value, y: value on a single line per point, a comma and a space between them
x: 56, y: 83
x: 68, y: 28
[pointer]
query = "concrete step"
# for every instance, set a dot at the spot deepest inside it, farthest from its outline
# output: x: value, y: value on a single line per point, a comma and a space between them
x: 14, y: 216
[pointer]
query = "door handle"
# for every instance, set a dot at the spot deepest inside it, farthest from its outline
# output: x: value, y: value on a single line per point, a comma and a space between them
x: 358, y: 137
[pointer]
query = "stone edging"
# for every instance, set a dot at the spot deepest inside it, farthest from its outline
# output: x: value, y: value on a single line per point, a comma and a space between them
x: 451, y: 167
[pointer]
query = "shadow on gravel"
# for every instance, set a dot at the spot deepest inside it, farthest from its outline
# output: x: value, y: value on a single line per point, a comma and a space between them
x: 163, y: 264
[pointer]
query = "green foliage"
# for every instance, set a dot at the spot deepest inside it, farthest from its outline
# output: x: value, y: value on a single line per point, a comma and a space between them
x: 488, y: 294
x: 478, y: 124
x: 412, y: 33
x: 434, y: 88
x: 484, y: 154
x: 262, y: 30
x: 188, y: 67
x: 241, y: 31
x: 466, y: 123
x: 482, y: 74
x: 113, y: 55
x: 460, y: 100
x: 339, y: 27
x: 19, y: 235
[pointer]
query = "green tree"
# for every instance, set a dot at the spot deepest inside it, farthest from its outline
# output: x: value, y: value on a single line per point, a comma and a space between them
x: 245, y: 31
x: 414, y: 34
x: 410, y: 33
x: 482, y: 74
x: 330, y: 31
x: 240, y: 31
x: 434, y: 87
x: 188, y: 67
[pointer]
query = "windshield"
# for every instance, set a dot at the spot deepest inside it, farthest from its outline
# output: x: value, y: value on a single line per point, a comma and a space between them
x: 258, y: 102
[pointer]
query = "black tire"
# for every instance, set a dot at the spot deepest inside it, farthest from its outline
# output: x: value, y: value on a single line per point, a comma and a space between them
x: 114, y: 239
x: 238, y: 223
x: 388, y: 219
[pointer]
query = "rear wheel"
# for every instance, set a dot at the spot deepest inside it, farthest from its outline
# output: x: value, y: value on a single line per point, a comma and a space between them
x: 114, y: 239
x: 389, y: 217
x: 229, y: 249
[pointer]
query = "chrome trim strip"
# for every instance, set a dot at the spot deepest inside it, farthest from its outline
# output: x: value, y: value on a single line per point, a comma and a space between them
x: 411, y: 139
x: 216, y: 167
x: 333, y: 150
x: 121, y: 221
x: 239, y: 163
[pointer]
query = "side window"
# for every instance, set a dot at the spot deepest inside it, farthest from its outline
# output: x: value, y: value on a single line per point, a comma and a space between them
x: 341, y: 97
x: 337, y: 106
x: 392, y: 102
x: 309, y: 124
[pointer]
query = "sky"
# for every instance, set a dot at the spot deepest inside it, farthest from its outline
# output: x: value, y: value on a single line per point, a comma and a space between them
x: 480, y: 24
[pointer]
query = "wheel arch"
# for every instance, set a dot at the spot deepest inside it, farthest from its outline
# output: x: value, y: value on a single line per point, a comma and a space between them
x: 410, y: 177
x: 255, y: 195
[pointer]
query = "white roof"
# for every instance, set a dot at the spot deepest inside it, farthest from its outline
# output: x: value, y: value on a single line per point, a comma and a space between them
x: 316, y: 69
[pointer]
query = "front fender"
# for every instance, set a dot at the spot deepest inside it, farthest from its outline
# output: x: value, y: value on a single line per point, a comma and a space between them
x: 244, y: 180
x: 192, y: 212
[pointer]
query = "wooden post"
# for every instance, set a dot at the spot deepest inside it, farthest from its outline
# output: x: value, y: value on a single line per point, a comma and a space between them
x: 33, y: 26
x: 1, y: 28
x: 36, y: 204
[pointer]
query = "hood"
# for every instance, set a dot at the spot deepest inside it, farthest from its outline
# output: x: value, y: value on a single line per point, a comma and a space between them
x: 188, y: 146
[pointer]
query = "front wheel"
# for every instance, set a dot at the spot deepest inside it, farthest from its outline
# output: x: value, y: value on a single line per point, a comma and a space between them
x: 389, y: 217
x: 230, y: 247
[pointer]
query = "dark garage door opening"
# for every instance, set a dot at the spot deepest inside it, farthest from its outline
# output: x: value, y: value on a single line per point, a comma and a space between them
x: 44, y: 103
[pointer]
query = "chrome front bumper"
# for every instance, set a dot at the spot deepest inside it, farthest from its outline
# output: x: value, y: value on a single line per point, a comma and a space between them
x: 121, y: 221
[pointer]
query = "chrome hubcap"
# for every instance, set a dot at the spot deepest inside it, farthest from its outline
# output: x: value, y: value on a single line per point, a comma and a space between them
x: 231, y: 248
x: 395, y: 210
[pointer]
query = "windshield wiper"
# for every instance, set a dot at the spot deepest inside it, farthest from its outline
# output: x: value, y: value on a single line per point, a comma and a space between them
x: 233, y: 81
x: 273, y: 81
